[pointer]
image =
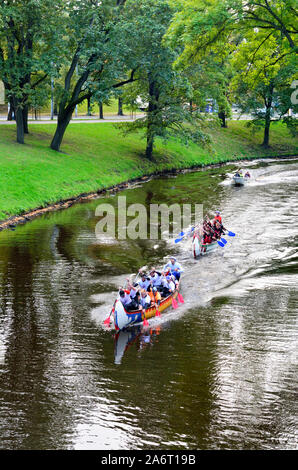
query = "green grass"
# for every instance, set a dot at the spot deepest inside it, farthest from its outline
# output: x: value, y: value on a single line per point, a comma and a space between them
x: 96, y: 156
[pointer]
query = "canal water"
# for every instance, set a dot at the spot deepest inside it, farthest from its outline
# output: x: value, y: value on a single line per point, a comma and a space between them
x: 219, y: 372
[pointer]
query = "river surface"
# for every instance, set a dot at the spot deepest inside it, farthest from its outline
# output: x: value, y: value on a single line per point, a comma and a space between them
x: 220, y: 372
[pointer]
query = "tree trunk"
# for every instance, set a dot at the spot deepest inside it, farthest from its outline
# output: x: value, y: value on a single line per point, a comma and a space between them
x: 266, y: 130
x: 89, y: 106
x: 149, y: 147
x: 151, y: 117
x: 100, y: 111
x: 11, y: 115
x: 25, y: 119
x: 222, y: 117
x: 60, y: 131
x: 268, y: 103
x: 191, y: 107
x: 120, y: 110
x: 20, y: 125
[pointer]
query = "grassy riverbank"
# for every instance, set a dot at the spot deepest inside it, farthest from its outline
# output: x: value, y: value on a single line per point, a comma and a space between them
x: 96, y: 156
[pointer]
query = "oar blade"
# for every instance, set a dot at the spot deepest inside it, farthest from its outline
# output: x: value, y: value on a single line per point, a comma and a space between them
x: 231, y: 234
x: 223, y: 240
x: 220, y: 243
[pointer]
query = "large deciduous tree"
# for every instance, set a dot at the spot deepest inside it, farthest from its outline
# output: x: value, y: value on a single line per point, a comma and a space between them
x: 29, y: 46
x: 162, y: 90
x: 98, y: 61
x: 262, y: 82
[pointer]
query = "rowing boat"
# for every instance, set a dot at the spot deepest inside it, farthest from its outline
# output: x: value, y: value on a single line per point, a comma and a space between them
x: 240, y: 180
x: 123, y: 319
x: 199, y: 248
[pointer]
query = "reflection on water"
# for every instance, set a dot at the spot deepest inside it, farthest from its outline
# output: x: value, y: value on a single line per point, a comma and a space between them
x: 218, y: 372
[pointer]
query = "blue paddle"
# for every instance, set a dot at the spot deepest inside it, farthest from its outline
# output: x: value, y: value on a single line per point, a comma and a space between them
x: 182, y: 234
x: 231, y: 234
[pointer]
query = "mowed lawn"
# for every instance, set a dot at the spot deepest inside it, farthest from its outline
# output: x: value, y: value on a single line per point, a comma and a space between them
x: 96, y: 155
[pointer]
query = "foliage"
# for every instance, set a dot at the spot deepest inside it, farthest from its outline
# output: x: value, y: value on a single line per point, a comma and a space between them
x: 30, y: 42
x: 164, y: 90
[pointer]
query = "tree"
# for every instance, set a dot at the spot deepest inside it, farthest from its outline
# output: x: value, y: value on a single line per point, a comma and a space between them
x: 98, y: 57
x: 200, y: 23
x: 263, y: 79
x: 163, y: 91
x: 29, y: 45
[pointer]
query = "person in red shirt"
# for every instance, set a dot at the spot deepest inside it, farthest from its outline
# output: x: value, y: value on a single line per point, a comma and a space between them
x: 218, y: 217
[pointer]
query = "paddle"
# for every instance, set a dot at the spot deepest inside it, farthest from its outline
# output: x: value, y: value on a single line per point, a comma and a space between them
x: 183, y: 234
x: 222, y: 242
x: 180, y: 298
x: 108, y: 319
x: 231, y: 234
x: 174, y: 303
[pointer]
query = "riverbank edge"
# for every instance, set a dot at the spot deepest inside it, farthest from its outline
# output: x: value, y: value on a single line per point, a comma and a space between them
x: 27, y: 216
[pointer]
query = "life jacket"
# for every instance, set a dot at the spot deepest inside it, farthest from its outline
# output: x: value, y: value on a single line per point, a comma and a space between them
x: 207, y: 238
x: 218, y: 218
x: 154, y: 297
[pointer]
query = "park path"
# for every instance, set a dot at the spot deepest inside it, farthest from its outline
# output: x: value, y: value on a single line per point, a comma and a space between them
x: 78, y: 120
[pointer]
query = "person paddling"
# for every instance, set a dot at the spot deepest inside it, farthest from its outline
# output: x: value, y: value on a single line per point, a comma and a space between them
x: 218, y: 217
x: 174, y: 267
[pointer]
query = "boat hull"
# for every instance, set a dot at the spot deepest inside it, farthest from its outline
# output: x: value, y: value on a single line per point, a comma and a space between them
x: 124, y: 319
x: 240, y: 180
x: 200, y: 249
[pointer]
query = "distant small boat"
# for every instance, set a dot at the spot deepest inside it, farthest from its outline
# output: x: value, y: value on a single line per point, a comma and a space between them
x: 240, y: 180
x: 199, y: 248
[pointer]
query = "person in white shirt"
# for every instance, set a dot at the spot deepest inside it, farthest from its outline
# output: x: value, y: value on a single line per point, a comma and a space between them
x: 172, y: 284
x: 174, y: 267
x: 144, y: 282
x: 145, y: 300
x: 124, y: 297
x: 155, y: 278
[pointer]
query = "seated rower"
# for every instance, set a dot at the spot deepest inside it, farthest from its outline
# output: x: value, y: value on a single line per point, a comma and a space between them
x: 172, y: 284
x: 154, y: 295
x: 174, y: 267
x: 126, y: 300
x: 145, y: 300
x: 217, y: 217
x: 165, y: 290
x: 247, y: 174
x: 207, y: 238
x: 155, y: 278
x: 217, y: 231
x: 144, y: 282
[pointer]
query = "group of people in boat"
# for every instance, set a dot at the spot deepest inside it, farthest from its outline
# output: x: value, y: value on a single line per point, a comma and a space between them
x: 240, y: 174
x: 211, y: 230
x: 152, y: 287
